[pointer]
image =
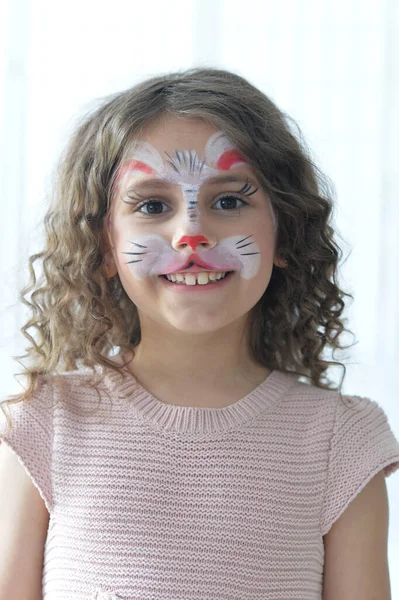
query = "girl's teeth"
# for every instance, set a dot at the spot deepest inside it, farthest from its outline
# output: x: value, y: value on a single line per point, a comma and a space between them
x: 200, y: 278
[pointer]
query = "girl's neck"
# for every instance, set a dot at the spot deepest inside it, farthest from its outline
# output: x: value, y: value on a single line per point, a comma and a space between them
x: 195, y: 386
x: 218, y: 392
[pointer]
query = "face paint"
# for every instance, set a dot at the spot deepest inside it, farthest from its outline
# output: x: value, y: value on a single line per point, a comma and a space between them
x: 151, y: 254
x: 188, y: 171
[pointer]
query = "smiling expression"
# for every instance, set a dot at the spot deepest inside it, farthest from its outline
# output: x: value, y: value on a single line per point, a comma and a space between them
x: 151, y: 253
x: 184, y: 169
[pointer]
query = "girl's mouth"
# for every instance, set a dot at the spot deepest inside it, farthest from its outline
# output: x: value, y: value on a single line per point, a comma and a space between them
x: 182, y: 287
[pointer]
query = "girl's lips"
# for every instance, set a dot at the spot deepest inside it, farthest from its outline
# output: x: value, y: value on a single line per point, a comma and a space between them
x: 197, y: 270
x: 183, y: 288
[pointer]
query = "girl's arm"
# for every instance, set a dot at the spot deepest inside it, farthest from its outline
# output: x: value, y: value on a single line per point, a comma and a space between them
x: 356, y: 564
x: 23, y: 529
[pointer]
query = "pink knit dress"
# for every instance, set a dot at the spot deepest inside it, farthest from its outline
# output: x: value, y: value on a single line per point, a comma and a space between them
x: 152, y: 501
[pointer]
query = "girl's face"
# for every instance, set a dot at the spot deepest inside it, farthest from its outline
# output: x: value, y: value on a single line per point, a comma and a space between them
x: 187, y: 204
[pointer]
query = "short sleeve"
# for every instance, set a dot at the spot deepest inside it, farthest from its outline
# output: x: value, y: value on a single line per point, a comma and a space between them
x: 31, y: 436
x: 362, y: 444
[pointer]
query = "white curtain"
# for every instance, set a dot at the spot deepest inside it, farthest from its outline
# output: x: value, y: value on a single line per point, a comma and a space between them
x: 332, y: 65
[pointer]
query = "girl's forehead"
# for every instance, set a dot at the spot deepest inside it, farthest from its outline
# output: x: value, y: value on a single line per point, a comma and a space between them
x: 180, y: 151
x: 170, y: 134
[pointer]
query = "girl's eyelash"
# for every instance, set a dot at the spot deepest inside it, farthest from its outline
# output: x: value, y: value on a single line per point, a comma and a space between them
x: 246, y: 190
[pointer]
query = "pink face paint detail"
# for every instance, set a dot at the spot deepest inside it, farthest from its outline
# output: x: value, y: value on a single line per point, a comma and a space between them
x: 145, y: 159
x: 229, y: 159
x: 192, y: 241
x: 134, y: 165
x: 218, y: 146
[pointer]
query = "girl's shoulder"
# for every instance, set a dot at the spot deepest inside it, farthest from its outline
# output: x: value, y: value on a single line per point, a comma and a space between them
x: 61, y: 405
x: 361, y: 443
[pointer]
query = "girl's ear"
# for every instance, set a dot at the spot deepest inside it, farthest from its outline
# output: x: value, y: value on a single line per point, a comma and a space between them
x: 280, y: 262
x: 109, y: 265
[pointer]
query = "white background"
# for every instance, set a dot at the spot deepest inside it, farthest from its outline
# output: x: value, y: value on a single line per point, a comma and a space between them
x: 332, y: 65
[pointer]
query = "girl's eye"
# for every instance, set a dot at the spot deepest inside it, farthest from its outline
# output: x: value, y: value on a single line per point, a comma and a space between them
x: 150, y: 204
x: 153, y: 207
x: 230, y: 202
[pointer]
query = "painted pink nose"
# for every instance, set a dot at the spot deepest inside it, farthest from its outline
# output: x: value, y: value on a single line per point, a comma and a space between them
x: 192, y: 240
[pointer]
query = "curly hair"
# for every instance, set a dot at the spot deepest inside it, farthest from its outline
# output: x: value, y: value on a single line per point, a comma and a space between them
x: 81, y: 316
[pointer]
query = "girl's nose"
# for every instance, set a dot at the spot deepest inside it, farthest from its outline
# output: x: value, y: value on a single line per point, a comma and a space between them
x: 192, y: 241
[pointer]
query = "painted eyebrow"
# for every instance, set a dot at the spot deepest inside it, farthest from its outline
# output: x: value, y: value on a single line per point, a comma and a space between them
x: 151, y: 184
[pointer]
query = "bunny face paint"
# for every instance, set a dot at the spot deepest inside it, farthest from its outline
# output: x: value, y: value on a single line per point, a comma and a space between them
x: 189, y: 172
x: 211, y: 215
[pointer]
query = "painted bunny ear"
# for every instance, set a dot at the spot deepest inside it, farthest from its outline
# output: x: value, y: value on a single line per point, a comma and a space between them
x: 145, y: 158
x: 147, y: 154
x: 221, y: 154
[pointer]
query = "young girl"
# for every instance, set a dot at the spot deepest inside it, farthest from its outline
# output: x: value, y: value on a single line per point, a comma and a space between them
x: 165, y: 447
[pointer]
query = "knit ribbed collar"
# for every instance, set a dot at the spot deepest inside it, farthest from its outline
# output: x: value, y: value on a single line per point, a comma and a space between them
x: 194, y: 419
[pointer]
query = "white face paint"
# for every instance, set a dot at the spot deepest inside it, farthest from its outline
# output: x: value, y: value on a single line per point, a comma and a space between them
x: 188, y: 171
x: 188, y: 202
x: 151, y: 254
